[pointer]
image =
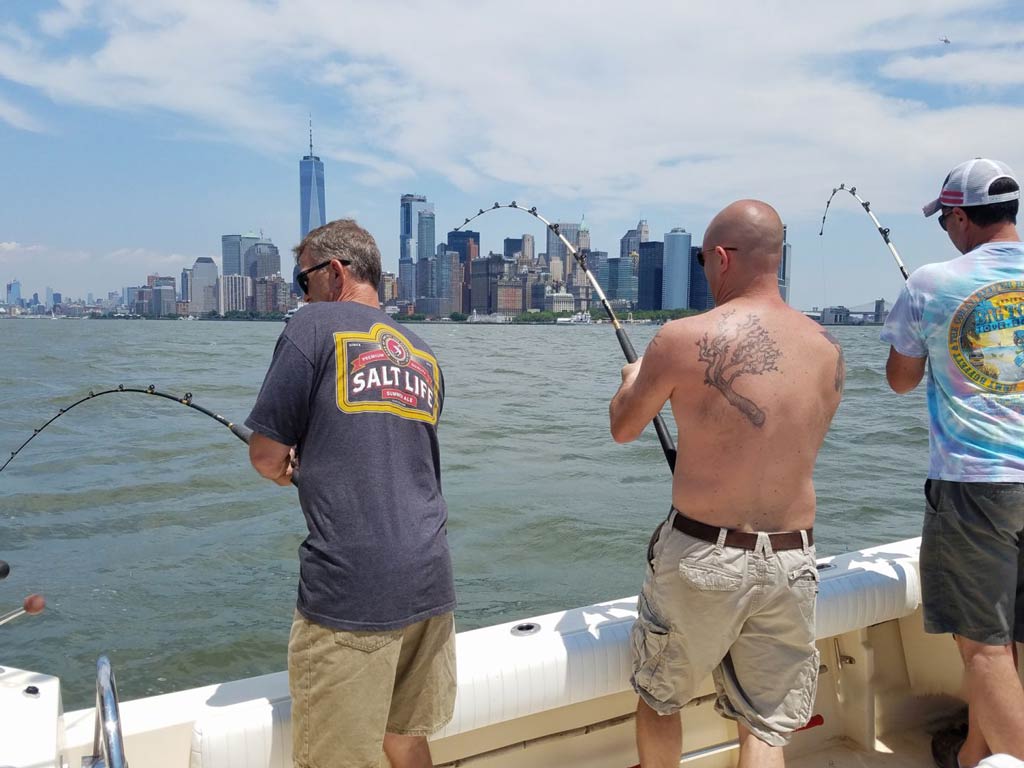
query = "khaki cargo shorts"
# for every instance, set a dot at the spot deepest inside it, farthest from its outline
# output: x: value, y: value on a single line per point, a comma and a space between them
x: 746, y: 617
x: 349, y: 688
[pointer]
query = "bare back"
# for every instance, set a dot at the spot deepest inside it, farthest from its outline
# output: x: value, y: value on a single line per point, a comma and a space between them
x: 756, y: 385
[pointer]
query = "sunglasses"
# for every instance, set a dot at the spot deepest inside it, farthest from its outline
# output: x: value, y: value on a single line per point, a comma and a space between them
x: 303, y: 277
x: 942, y: 218
x: 700, y: 252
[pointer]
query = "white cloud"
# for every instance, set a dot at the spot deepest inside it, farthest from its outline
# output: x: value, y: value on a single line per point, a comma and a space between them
x: 607, y: 108
x: 12, y: 247
x: 70, y: 15
x: 18, y: 117
x: 580, y: 100
x: 988, y: 69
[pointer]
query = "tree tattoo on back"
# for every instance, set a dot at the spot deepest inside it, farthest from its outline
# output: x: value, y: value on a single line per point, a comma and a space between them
x: 743, y: 348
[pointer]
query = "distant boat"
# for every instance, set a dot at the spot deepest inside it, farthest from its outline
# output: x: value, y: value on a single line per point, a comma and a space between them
x: 291, y: 312
x: 580, y: 318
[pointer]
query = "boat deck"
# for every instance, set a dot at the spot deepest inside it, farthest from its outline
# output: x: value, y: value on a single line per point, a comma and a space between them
x: 908, y: 750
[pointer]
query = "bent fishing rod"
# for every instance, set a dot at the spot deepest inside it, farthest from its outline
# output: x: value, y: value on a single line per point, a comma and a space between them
x: 240, y: 431
x: 667, y: 444
x: 883, y: 231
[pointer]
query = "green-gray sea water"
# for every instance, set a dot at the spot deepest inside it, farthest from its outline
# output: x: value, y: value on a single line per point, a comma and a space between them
x: 154, y: 541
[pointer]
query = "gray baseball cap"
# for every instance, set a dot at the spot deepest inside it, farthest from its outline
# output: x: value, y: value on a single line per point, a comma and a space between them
x: 968, y: 185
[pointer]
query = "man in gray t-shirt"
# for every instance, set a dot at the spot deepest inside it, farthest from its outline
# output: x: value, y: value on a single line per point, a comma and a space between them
x: 351, y: 403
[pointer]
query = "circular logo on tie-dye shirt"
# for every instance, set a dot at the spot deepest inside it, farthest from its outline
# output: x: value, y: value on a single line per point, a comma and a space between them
x: 986, y: 337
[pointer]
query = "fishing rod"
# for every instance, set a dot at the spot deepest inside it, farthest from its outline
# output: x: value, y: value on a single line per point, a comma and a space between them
x: 240, y: 431
x: 883, y: 231
x: 667, y: 444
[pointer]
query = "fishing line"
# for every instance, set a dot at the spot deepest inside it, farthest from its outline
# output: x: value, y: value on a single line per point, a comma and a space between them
x: 667, y: 444
x: 240, y: 431
x: 883, y: 231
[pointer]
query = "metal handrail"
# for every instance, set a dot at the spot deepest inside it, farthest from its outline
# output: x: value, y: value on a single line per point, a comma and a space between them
x: 107, y: 743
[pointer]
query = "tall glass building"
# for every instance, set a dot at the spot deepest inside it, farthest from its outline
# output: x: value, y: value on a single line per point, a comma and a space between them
x: 408, y: 249
x: 233, y: 249
x: 784, y: 265
x: 700, y: 293
x: 425, y: 238
x: 651, y: 275
x: 203, y: 287
x: 312, y: 208
x: 675, y: 281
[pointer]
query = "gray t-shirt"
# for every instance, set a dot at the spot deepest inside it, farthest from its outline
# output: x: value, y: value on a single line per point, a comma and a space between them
x: 359, y: 396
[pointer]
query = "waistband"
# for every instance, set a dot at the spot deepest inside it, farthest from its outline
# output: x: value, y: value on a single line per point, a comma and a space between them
x: 740, y: 539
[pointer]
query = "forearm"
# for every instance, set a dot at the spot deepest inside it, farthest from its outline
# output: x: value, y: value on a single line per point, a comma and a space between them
x: 271, y: 459
x: 625, y: 426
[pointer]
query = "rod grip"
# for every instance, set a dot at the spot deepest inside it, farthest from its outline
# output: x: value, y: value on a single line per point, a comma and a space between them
x: 626, y: 344
x: 242, y: 432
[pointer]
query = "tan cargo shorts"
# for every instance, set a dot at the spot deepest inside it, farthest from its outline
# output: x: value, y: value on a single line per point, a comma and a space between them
x: 746, y: 617
x: 349, y: 688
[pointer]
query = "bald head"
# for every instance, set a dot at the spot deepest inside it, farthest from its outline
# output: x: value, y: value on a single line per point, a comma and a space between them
x: 754, y: 229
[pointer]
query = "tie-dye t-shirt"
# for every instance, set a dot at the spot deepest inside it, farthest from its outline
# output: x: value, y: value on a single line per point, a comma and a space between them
x: 967, y: 317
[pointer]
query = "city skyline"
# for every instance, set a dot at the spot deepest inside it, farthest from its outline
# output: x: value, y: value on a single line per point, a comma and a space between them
x: 148, y: 133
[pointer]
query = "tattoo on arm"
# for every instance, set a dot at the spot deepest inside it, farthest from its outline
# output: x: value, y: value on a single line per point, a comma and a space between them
x: 840, y: 361
x: 743, y: 348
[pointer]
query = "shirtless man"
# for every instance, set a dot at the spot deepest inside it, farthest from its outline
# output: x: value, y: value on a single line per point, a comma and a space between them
x: 732, y: 581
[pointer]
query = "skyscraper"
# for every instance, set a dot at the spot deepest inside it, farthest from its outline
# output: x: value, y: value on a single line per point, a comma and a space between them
x: 409, y: 226
x: 14, y: 292
x: 203, y: 287
x: 261, y: 259
x: 784, y: 265
x: 425, y: 239
x: 700, y: 293
x: 675, y: 284
x: 630, y: 242
x: 556, y: 248
x: 312, y: 209
x: 232, y: 251
x: 466, y: 243
x: 651, y: 275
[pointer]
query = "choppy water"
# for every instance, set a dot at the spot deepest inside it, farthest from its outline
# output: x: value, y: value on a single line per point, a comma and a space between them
x: 155, y: 542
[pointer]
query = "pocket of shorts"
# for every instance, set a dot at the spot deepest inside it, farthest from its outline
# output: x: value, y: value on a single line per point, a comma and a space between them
x: 931, y: 497
x: 805, y: 578
x: 652, y: 542
x: 649, y: 640
x: 709, y: 578
x: 367, y: 642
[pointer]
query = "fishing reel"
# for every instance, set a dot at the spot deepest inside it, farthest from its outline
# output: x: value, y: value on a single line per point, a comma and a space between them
x: 31, y: 605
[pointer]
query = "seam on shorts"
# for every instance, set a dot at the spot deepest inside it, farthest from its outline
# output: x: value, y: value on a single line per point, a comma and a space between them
x: 307, y: 688
x: 420, y: 731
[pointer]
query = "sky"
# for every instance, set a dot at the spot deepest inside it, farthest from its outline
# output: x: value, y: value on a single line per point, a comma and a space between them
x: 134, y: 134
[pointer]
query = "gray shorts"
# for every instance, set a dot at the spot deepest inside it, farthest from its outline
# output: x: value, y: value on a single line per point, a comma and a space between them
x: 972, y: 560
x: 745, y: 617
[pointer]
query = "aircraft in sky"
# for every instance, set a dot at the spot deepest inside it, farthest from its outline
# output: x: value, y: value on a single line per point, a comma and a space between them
x: 944, y: 40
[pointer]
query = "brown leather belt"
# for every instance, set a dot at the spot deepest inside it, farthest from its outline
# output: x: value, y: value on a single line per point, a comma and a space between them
x: 739, y: 539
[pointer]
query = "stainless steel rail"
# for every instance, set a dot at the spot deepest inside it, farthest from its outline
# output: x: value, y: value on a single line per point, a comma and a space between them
x: 107, y: 743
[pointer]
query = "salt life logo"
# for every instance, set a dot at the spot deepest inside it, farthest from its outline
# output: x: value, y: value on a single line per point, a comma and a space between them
x: 382, y: 372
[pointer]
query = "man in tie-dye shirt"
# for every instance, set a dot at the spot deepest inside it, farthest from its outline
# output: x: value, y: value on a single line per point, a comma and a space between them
x: 963, y: 320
